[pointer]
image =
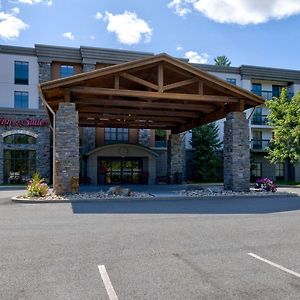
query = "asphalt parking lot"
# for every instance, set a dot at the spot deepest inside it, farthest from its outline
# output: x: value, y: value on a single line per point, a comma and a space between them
x: 191, y: 249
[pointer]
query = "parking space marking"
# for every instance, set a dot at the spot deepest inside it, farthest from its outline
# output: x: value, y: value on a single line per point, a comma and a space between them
x: 275, y: 265
x: 107, y: 283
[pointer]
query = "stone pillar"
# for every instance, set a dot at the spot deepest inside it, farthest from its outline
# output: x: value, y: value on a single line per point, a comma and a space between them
x: 144, y: 137
x: 236, y: 153
x: 66, y: 150
x: 176, y: 157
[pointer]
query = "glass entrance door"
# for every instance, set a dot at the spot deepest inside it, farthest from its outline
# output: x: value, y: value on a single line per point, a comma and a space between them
x: 120, y: 170
x: 19, y: 165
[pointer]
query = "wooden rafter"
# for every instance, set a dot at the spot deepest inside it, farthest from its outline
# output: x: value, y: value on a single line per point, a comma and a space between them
x: 94, y: 102
x: 139, y: 81
x: 147, y: 94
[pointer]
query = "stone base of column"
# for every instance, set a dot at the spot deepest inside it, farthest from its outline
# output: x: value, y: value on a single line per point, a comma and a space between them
x: 176, y: 158
x: 66, y: 150
x: 236, y: 153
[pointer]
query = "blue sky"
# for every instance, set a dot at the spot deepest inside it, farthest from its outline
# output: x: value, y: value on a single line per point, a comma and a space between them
x: 253, y: 32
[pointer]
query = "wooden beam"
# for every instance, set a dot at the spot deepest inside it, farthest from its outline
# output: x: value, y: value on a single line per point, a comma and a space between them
x: 160, y: 76
x: 180, y: 84
x: 132, y: 117
x: 205, y: 119
x: 139, y: 81
x: 137, y: 126
x: 143, y: 104
x: 200, y: 88
x: 117, y: 82
x: 67, y: 97
x: 136, y: 112
x: 146, y: 94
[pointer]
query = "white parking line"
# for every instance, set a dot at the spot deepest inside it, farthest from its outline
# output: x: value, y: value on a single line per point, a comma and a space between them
x: 107, y: 283
x: 275, y: 265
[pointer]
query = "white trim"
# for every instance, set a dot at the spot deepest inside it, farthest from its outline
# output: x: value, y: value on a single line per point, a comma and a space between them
x: 19, y: 131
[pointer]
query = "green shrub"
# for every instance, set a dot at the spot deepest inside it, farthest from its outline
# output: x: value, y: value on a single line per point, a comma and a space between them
x: 37, y: 187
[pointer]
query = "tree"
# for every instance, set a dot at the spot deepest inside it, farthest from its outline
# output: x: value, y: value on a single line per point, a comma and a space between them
x: 207, y: 163
x: 285, y: 117
x: 222, y: 61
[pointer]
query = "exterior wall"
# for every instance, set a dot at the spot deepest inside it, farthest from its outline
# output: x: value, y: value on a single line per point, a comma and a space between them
x: 268, y: 169
x: 42, y: 134
x: 55, y: 69
x: 224, y: 76
x: 119, y: 150
x: 7, y: 80
x: 161, y: 162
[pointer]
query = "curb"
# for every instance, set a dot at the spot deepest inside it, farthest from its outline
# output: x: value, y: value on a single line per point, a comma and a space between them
x: 159, y: 198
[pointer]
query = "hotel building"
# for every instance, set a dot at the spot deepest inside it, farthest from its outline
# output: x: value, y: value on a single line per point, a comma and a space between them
x: 114, y: 155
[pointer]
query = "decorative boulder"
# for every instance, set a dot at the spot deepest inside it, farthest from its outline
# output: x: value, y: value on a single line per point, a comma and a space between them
x: 118, y: 191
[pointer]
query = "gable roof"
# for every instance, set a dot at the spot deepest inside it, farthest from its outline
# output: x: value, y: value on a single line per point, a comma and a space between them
x: 149, y: 87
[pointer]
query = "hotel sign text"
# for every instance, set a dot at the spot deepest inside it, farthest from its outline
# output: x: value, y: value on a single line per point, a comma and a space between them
x: 23, y: 122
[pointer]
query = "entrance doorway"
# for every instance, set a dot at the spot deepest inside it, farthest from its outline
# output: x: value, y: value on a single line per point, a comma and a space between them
x: 117, y: 170
x: 19, y: 165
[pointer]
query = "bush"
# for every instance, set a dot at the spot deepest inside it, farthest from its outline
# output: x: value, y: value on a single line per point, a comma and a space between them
x: 265, y: 184
x: 37, y: 187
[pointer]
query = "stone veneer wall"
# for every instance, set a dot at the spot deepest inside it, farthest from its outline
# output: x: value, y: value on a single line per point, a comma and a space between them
x: 89, y: 133
x: 42, y: 146
x: 66, y: 173
x: 176, y: 156
x: 236, y: 152
x: 44, y: 75
x: 144, y: 137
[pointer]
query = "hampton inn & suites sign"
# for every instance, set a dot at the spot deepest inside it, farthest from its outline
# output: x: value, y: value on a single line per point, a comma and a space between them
x: 23, y: 122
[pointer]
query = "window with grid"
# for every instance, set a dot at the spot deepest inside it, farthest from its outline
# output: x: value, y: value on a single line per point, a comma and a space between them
x: 21, y: 100
x: 21, y: 72
x: 257, y: 170
x: 66, y: 71
x: 19, y: 139
x: 279, y: 168
x: 116, y: 135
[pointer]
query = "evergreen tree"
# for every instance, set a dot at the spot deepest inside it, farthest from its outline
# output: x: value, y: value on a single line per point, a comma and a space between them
x: 222, y: 61
x: 285, y: 117
x: 207, y: 163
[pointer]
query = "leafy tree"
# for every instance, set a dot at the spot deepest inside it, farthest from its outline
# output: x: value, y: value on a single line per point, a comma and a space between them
x: 222, y: 61
x: 207, y: 163
x: 285, y: 117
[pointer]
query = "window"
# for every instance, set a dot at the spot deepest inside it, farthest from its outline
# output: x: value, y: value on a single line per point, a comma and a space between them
x: 116, y: 135
x: 279, y: 169
x: 21, y: 99
x: 19, y: 139
x: 231, y: 80
x: 276, y: 90
x: 21, y: 72
x: 19, y: 165
x: 66, y: 71
x: 257, y: 140
x: 256, y: 88
x: 257, y: 169
x: 160, y: 138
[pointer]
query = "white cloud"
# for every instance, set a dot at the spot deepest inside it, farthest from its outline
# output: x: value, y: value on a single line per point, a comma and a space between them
x: 32, y: 2
x: 179, y: 48
x: 182, y: 7
x: 92, y: 37
x: 15, y: 10
x: 11, y: 25
x: 239, y: 12
x: 128, y: 27
x: 98, y: 16
x: 194, y: 57
x: 68, y: 35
